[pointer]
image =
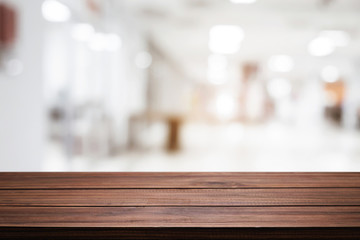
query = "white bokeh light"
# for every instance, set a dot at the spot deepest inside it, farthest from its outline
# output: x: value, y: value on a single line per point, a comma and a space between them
x: 225, y: 106
x: 330, y: 74
x: 225, y: 39
x: 321, y: 46
x: 340, y: 38
x: 281, y: 63
x: 55, y: 11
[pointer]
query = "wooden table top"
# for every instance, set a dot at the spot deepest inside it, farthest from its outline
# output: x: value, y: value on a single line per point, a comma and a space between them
x: 150, y: 201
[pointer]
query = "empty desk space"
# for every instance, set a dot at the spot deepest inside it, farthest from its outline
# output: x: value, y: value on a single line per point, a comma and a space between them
x: 179, y: 205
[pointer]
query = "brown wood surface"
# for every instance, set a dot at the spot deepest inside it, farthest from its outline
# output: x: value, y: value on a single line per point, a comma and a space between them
x: 182, y: 197
x: 180, y: 216
x: 160, y: 205
x: 77, y: 180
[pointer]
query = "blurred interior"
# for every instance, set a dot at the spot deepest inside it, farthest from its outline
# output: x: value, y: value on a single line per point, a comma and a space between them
x: 180, y: 85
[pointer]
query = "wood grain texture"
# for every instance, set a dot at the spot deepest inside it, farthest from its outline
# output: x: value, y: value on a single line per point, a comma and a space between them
x: 182, y: 197
x: 179, y: 205
x: 72, y: 180
x: 180, y: 217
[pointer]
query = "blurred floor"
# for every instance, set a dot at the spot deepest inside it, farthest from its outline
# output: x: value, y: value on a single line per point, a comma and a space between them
x: 233, y: 147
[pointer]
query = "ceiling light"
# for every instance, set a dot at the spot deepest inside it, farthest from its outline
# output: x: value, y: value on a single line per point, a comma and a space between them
x: 55, y: 11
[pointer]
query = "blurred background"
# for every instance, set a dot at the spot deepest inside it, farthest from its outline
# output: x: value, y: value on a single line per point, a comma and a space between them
x: 180, y: 85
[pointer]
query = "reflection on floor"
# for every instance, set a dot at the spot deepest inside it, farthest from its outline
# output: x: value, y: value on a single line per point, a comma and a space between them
x: 233, y: 147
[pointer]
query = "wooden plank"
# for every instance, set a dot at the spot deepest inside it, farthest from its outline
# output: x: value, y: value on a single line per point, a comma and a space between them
x: 81, y: 180
x: 182, y: 197
x: 239, y: 217
x: 180, y: 233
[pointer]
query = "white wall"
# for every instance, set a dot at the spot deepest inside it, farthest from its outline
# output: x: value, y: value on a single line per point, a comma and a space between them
x: 22, y: 130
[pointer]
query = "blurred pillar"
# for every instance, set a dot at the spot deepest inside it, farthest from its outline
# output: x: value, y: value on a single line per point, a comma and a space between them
x: 173, y: 142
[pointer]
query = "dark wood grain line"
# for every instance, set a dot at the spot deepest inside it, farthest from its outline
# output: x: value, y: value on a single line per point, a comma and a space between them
x: 180, y: 233
x: 182, y: 197
x: 51, y: 180
x: 180, y: 217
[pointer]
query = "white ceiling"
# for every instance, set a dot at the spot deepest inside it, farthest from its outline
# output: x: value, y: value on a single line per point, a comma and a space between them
x: 181, y: 27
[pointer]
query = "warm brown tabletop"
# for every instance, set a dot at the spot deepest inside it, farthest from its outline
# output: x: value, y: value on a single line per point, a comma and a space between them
x: 178, y: 205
